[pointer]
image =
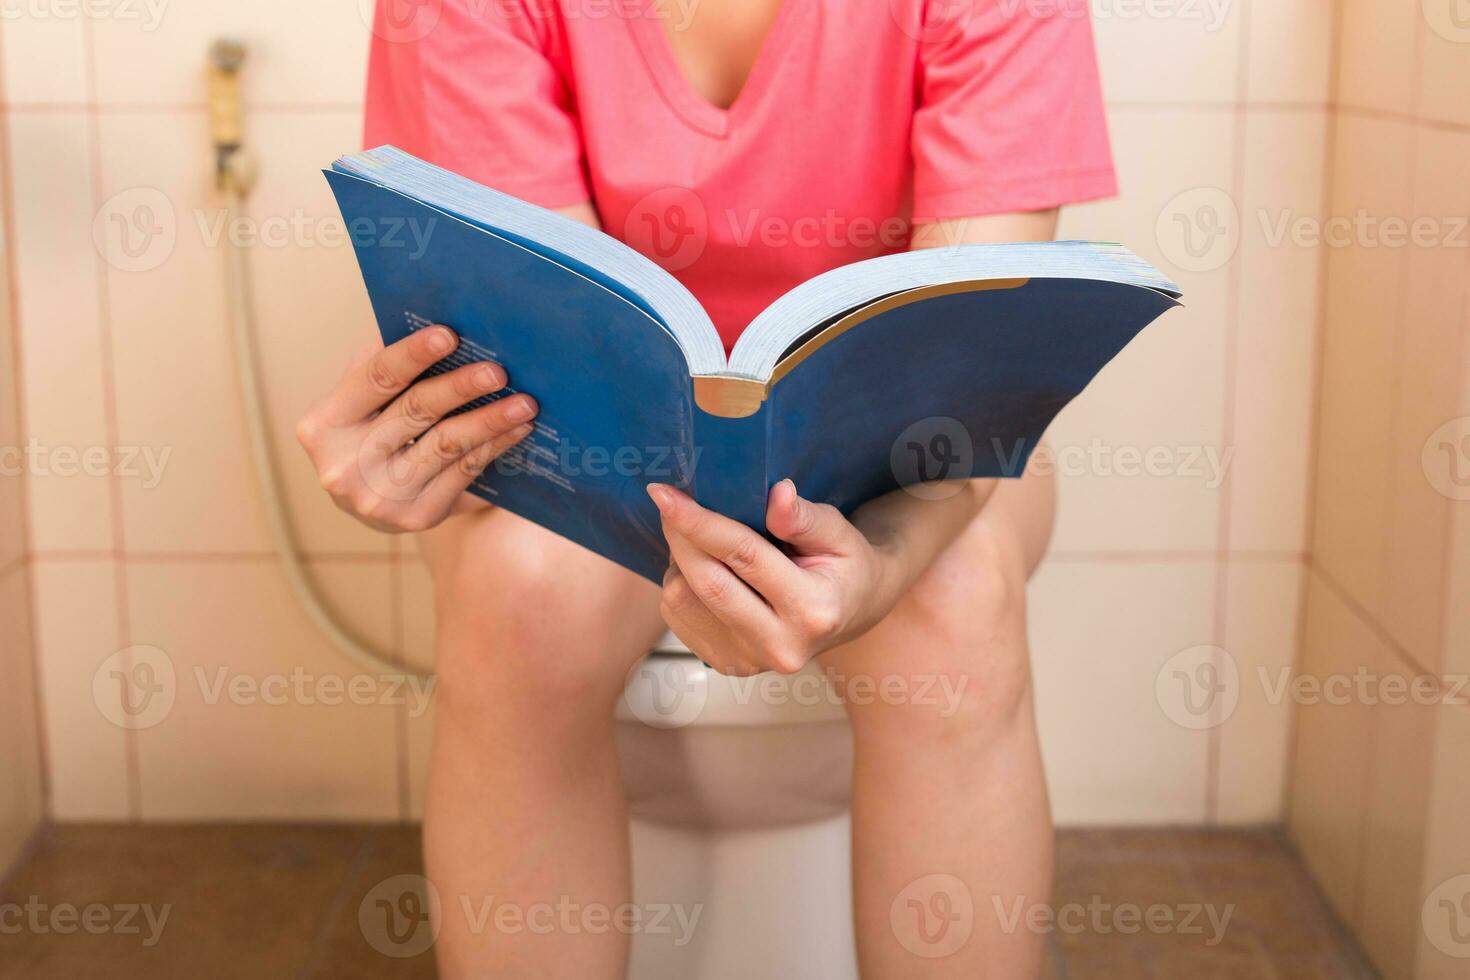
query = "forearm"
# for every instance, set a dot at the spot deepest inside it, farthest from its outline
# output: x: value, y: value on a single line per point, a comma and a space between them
x: 910, y: 530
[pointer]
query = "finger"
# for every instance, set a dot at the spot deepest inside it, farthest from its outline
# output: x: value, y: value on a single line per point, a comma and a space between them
x: 732, y: 544
x: 412, y: 413
x: 456, y: 437
x: 446, y: 490
x: 691, y: 622
x: 376, y: 381
x: 697, y: 627
x: 721, y: 591
x: 812, y: 529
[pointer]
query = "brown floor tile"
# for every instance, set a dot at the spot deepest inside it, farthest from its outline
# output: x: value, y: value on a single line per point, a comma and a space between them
x: 325, y: 902
x: 228, y: 901
x: 357, y: 942
x: 1241, y: 906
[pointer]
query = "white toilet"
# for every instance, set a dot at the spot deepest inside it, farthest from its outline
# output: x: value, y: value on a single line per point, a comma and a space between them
x: 739, y: 791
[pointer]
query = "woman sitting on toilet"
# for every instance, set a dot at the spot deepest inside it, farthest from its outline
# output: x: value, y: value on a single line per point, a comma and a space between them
x: 747, y: 145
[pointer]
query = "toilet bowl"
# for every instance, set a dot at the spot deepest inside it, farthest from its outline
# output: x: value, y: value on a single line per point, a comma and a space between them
x: 738, y: 789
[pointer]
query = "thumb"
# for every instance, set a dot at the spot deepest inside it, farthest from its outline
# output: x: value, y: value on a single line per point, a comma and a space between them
x: 809, y: 528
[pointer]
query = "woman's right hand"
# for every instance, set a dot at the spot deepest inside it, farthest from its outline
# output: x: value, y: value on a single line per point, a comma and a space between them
x: 384, y: 446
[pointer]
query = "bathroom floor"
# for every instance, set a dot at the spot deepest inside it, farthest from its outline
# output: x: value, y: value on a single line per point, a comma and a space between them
x: 250, y: 901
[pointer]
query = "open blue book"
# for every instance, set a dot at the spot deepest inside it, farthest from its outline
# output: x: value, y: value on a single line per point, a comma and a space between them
x: 928, y: 365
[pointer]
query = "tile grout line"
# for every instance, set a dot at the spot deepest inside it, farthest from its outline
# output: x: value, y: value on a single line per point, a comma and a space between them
x: 400, y: 647
x: 1318, y: 383
x: 1398, y: 330
x: 1393, y: 488
x: 27, y: 529
x: 1410, y: 118
x: 168, y: 108
x: 1364, y: 616
x: 201, y: 557
x: 138, y: 557
x: 1221, y: 612
x: 123, y: 618
x: 1329, y: 106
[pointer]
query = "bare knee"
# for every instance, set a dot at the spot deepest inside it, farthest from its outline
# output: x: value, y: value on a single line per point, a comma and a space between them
x: 540, y: 627
x: 953, y: 653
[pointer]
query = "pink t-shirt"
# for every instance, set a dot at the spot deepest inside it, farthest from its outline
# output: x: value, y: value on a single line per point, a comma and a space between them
x: 857, y: 117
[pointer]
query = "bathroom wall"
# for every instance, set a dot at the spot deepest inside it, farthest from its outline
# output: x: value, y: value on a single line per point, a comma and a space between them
x: 1380, y: 800
x: 21, y: 794
x: 1183, y: 534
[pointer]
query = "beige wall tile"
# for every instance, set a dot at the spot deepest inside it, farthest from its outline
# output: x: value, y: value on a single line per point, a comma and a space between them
x: 12, y: 515
x: 1330, y: 791
x: 311, y: 315
x: 77, y: 644
x: 175, y: 383
x: 1263, y: 606
x: 1276, y: 336
x: 1444, y: 63
x: 1365, y: 297
x: 358, y: 593
x: 311, y: 308
x: 44, y: 58
x: 1376, y: 59
x: 266, y: 722
x: 418, y: 611
x: 1429, y: 364
x: 1402, y: 765
x: 1102, y: 633
x: 1444, y: 899
x: 56, y: 286
x: 1164, y: 390
x: 314, y: 52
x: 1195, y: 47
x: 419, y: 730
x: 21, y: 803
x: 1290, y: 51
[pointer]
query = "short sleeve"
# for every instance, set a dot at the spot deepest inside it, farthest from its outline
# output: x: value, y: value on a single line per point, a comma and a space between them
x: 1010, y: 112
x: 474, y: 87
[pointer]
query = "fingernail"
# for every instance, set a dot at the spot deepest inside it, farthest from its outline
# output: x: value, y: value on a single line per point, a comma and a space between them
x: 440, y: 341
x: 662, y: 499
x: 487, y: 376
x: 520, y: 409
x: 792, y: 484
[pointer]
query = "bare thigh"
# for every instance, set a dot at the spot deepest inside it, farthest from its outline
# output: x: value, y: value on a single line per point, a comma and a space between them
x: 963, y: 621
x: 525, y: 616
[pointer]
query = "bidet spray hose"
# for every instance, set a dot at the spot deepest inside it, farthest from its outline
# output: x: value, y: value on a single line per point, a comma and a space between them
x: 236, y: 176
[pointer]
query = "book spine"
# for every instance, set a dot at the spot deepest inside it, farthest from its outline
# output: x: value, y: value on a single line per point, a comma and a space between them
x: 730, y: 465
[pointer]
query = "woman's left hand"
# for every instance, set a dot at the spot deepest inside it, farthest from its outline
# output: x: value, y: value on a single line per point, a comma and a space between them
x: 744, y: 606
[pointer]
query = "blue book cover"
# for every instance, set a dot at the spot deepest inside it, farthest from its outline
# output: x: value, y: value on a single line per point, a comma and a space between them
x: 938, y: 364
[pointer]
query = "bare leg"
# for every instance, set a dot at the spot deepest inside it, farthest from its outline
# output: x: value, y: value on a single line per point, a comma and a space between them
x: 951, y: 823
x: 525, y: 805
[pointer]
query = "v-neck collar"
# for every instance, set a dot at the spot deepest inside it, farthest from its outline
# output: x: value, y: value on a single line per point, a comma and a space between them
x: 687, y: 101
